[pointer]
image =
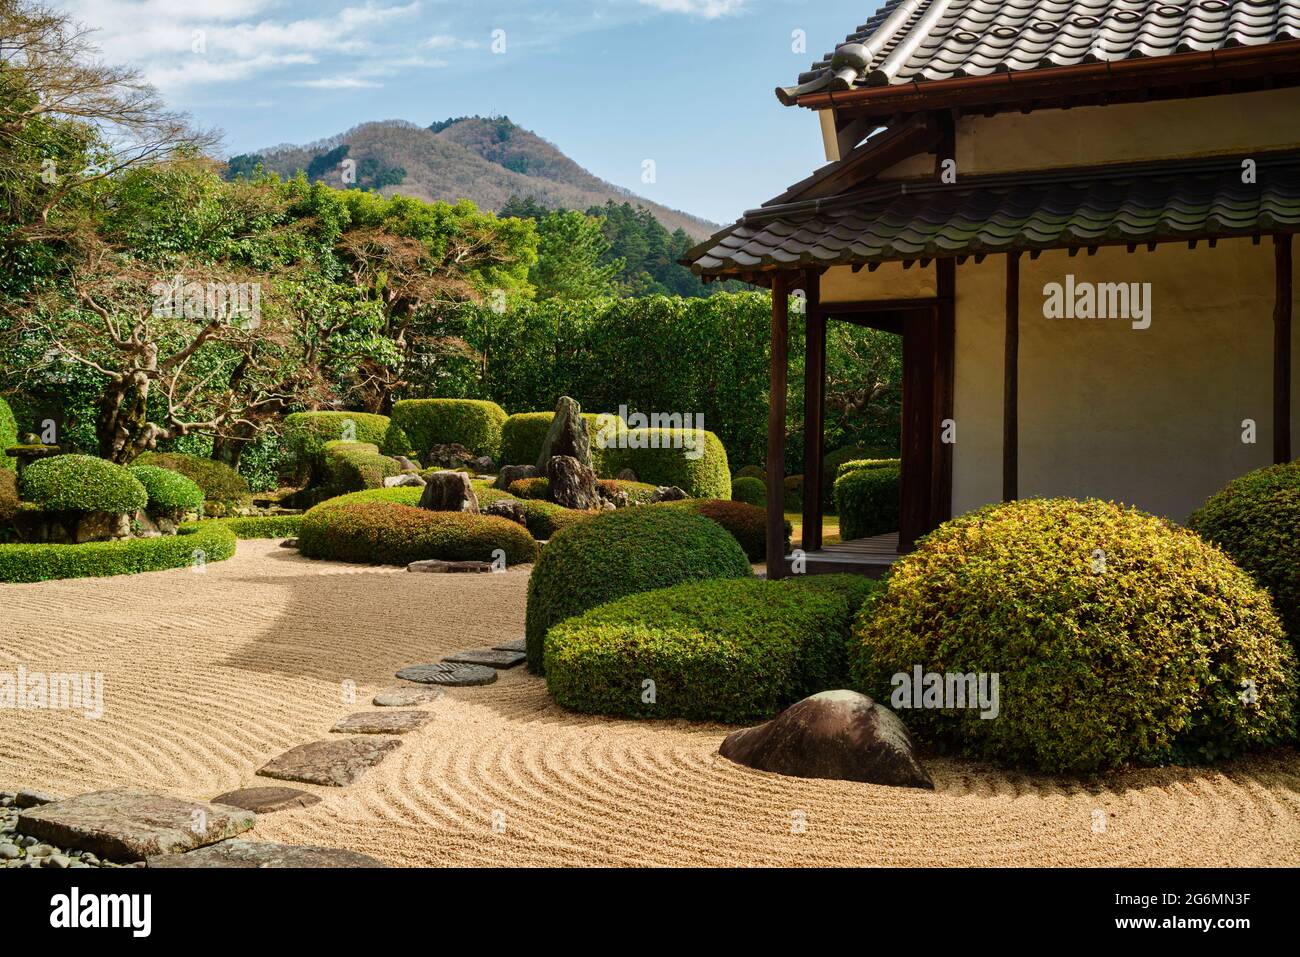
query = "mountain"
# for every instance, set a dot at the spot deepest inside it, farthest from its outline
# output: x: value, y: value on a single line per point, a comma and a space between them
x: 486, y: 160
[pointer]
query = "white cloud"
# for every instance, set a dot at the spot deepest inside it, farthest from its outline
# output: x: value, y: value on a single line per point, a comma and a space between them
x: 338, y: 83
x: 444, y: 41
x: 707, y: 9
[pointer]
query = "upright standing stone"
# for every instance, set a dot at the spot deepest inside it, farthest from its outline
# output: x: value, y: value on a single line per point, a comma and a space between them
x: 449, y: 492
x: 571, y: 483
x: 567, y: 435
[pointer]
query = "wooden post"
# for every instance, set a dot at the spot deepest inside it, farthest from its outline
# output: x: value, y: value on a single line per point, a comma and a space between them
x: 776, y: 428
x: 814, y: 412
x: 1282, y: 350
x: 944, y: 372
x: 1011, y: 386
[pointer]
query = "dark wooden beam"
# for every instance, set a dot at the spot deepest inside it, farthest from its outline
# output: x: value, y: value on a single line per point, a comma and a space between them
x: 814, y: 412
x: 945, y: 365
x: 776, y: 427
x: 1011, y: 386
x: 1282, y: 350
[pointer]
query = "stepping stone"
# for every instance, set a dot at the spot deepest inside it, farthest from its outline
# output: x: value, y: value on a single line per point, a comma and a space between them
x: 289, y: 543
x: 335, y: 763
x: 491, y: 657
x: 406, y: 696
x: 27, y: 798
x: 438, y: 566
x: 454, y: 676
x: 264, y: 800
x: 239, y: 853
x: 381, y: 722
x: 131, y: 825
x: 519, y: 644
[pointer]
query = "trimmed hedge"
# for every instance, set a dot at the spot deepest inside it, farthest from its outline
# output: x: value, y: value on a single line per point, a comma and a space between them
x: 307, y: 433
x: 253, y: 526
x: 523, y: 433
x: 1256, y: 520
x: 533, y: 488
x: 355, y: 466
x: 34, y: 563
x: 746, y: 523
x: 857, y: 465
x: 8, y: 435
x: 793, y: 500
x: 81, y: 483
x: 169, y: 492
x: 735, y: 651
x: 751, y: 491
x: 832, y: 461
x: 544, y: 519
x: 219, y: 482
x: 752, y: 471
x: 383, y: 533
x: 708, y: 476
x: 638, y: 493
x: 474, y: 423
x: 869, y: 501
x: 620, y: 553
x: 1119, y: 638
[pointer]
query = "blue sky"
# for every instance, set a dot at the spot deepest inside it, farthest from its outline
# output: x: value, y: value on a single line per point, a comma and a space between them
x: 686, y: 83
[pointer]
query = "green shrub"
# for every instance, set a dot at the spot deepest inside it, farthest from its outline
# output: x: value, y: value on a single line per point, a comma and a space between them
x: 621, y: 553
x: 868, y: 501
x: 833, y: 460
x: 751, y: 491
x: 752, y: 471
x: 308, y: 433
x: 1118, y: 639
x: 473, y: 423
x: 253, y: 526
x: 638, y: 493
x: 1256, y: 520
x: 708, y: 476
x: 169, y: 492
x: 857, y: 465
x: 746, y: 523
x: 220, y: 483
x: 793, y: 486
x: 8, y: 496
x: 523, y: 433
x: 81, y: 483
x: 544, y: 519
x: 34, y: 563
x: 383, y: 533
x: 735, y: 650
x: 535, y: 488
x: 355, y: 466
x: 8, y: 435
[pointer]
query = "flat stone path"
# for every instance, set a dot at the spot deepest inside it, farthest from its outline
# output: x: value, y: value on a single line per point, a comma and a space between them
x: 381, y: 722
x: 129, y: 824
x: 407, y: 696
x: 238, y: 853
x: 489, y: 657
x: 453, y: 676
x: 266, y: 800
x: 519, y: 644
x: 334, y: 763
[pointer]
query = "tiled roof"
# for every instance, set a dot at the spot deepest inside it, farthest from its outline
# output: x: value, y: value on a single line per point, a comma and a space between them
x: 918, y: 40
x: 1000, y: 214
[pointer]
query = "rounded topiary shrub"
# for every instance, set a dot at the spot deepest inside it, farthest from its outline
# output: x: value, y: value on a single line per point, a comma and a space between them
x: 169, y: 492
x: 621, y: 553
x: 793, y: 486
x: 8, y: 435
x: 473, y: 423
x: 537, y: 488
x: 869, y: 501
x: 832, y: 461
x: 544, y: 519
x: 751, y: 491
x: 746, y: 523
x: 1117, y: 638
x: 1256, y: 520
x: 858, y: 464
x: 751, y: 471
x: 691, y: 459
x: 220, y: 483
x: 638, y: 493
x: 308, y: 433
x: 735, y: 650
x: 523, y: 434
x: 383, y: 533
x: 355, y: 466
x: 81, y: 483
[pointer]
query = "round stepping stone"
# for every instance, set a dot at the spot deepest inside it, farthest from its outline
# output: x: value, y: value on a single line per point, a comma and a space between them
x: 519, y: 644
x: 490, y: 657
x: 381, y: 722
x: 264, y: 800
x: 238, y: 853
x: 406, y: 696
x: 436, y: 566
x: 449, y: 675
x: 336, y: 762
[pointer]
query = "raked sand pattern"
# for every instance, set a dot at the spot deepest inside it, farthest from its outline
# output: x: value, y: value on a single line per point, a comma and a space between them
x: 207, y: 676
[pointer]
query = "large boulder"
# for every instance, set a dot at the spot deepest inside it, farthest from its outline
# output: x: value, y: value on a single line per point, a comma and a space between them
x: 572, y: 484
x: 840, y: 735
x: 668, y: 493
x: 567, y: 436
x: 451, y: 455
x: 508, y: 509
x: 513, y: 473
x: 449, y: 492
x: 405, y: 480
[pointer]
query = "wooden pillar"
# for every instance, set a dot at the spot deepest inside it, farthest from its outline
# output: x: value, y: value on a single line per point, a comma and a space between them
x: 1282, y: 350
x: 776, y: 428
x: 814, y: 411
x: 1011, y: 386
x: 944, y: 371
